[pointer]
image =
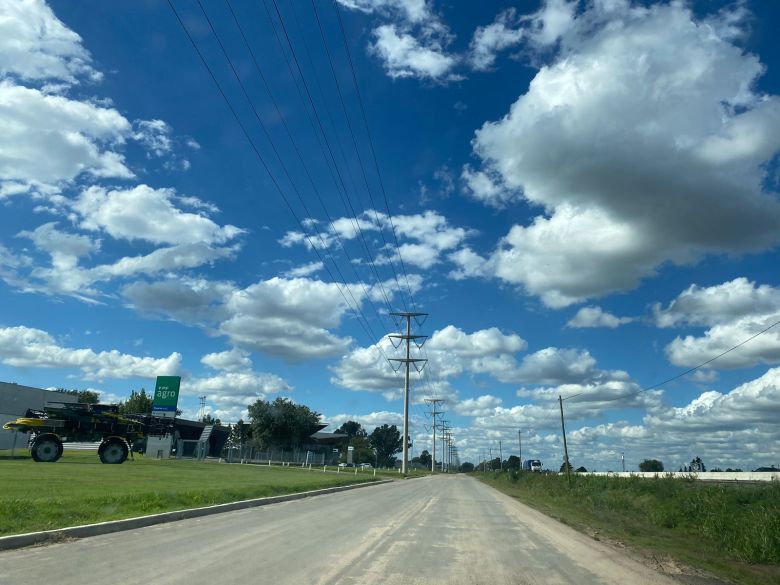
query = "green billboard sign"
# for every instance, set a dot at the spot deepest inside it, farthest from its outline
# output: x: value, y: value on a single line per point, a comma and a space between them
x: 166, y: 396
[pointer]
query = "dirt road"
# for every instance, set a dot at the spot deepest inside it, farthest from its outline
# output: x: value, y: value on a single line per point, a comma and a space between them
x: 433, y: 531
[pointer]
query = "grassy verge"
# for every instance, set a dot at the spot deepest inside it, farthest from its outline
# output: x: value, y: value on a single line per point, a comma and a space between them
x: 78, y: 489
x: 732, y: 531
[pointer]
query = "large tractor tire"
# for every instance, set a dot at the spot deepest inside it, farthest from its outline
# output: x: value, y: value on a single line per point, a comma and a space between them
x: 46, y: 448
x: 113, y: 450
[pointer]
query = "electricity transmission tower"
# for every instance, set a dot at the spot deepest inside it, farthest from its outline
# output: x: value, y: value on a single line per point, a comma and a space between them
x: 202, y: 409
x: 407, y: 361
x: 434, y: 413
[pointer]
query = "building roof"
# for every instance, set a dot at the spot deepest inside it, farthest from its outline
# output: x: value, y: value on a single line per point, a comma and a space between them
x: 329, y: 438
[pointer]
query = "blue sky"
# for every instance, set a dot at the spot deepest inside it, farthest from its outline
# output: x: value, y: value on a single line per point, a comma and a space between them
x: 584, y: 196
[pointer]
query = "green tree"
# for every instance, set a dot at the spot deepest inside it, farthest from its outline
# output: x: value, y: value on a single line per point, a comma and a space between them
x: 563, y: 467
x: 513, y: 462
x: 362, y: 452
x: 467, y: 467
x: 697, y: 465
x: 83, y: 396
x: 352, y: 429
x: 387, y: 442
x: 210, y: 420
x: 282, y: 424
x: 425, y: 459
x: 138, y: 403
x: 239, y: 433
x: 651, y: 465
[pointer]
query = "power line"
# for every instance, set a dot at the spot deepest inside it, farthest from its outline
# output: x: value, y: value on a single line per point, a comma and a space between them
x: 693, y: 369
x: 327, y: 142
x: 354, y: 142
x: 283, y: 119
x: 373, y: 150
x: 264, y: 164
x: 279, y: 157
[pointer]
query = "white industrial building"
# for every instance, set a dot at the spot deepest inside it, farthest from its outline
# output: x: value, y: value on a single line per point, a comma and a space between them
x: 15, y: 399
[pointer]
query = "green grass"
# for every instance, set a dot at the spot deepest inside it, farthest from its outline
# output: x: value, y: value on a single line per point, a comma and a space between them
x: 730, y: 530
x: 78, y: 489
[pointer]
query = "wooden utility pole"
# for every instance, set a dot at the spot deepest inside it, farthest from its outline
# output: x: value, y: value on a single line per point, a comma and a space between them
x: 565, y: 448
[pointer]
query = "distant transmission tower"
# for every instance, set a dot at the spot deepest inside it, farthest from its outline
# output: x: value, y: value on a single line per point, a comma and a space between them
x: 202, y: 410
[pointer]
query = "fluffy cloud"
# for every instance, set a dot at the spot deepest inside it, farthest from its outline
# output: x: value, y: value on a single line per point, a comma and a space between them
x: 556, y: 366
x: 730, y: 429
x: 229, y: 394
x: 405, y: 56
x: 690, y: 350
x: 28, y: 347
x: 229, y: 361
x: 36, y: 46
x: 718, y: 304
x: 67, y: 275
x: 487, y: 189
x: 65, y: 248
x: 689, y: 184
x: 488, y: 40
x: 196, y: 301
x: 414, y: 44
x: 450, y: 352
x: 412, y: 11
x: 480, y: 406
x: 596, y: 317
x: 552, y: 21
x: 155, y: 135
x: 751, y: 403
x: 369, y: 421
x: 154, y: 216
x: 366, y: 368
x: 52, y: 137
x: 734, y: 311
x: 305, y: 270
x: 48, y: 139
x: 288, y: 318
x: 145, y: 213
x: 424, y: 236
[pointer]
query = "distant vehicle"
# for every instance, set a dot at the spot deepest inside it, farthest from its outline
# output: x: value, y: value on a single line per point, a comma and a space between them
x: 365, y: 465
x: 346, y: 465
x: 532, y: 465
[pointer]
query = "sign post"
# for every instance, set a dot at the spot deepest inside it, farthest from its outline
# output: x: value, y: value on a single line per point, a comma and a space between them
x: 166, y: 396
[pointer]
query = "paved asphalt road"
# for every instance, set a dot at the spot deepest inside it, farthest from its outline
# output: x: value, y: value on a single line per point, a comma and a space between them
x: 440, y: 530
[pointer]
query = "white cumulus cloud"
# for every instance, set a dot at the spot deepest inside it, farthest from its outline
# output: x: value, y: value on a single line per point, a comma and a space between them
x: 29, y: 347
x: 678, y: 171
x: 597, y: 317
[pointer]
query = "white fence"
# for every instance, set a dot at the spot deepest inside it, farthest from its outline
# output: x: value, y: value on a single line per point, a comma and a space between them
x: 702, y: 475
x: 249, y: 454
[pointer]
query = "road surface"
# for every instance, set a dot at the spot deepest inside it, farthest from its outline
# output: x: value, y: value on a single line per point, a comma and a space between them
x: 434, y: 531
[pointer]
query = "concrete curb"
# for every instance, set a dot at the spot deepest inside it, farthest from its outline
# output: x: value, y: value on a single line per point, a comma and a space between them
x: 60, y: 534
